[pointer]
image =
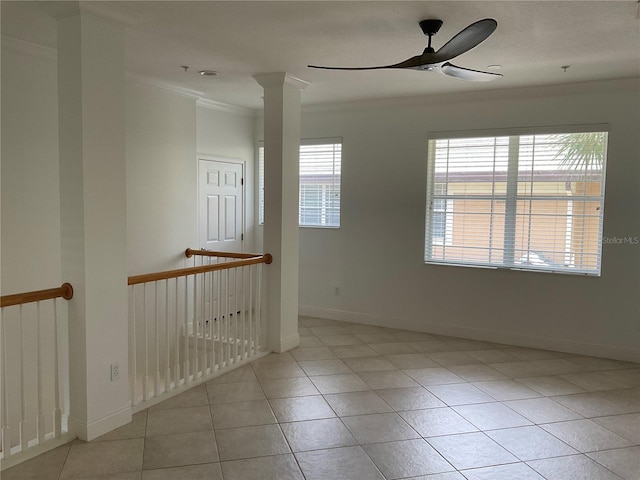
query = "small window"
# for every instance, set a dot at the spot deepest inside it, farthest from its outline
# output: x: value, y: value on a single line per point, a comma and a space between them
x: 319, y: 191
x: 531, y: 202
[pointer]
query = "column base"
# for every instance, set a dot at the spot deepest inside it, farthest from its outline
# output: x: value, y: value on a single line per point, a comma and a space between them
x: 88, y: 431
x: 285, y: 344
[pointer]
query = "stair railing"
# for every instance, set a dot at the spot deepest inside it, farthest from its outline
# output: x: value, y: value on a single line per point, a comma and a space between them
x: 191, y: 324
x: 34, y: 384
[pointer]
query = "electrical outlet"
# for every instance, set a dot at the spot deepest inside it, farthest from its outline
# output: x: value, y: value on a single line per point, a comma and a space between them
x: 336, y: 290
x: 115, y: 372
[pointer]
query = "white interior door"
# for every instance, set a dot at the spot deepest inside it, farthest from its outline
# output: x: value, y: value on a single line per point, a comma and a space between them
x: 220, y: 205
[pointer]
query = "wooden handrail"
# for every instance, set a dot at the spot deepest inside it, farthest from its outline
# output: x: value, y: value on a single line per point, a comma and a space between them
x: 189, y: 252
x: 183, y: 272
x: 65, y: 291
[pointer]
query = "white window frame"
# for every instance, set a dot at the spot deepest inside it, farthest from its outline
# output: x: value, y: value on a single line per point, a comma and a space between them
x: 325, y: 193
x: 447, y: 238
x: 511, y: 199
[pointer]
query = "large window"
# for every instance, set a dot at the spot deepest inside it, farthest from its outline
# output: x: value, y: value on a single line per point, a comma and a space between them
x: 320, y: 164
x: 530, y: 202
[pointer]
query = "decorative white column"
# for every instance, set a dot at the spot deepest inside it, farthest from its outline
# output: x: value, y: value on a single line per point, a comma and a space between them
x: 91, y: 116
x: 281, y: 172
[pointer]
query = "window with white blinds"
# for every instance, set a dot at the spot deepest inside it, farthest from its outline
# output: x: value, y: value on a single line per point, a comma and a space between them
x: 320, y: 168
x: 530, y: 202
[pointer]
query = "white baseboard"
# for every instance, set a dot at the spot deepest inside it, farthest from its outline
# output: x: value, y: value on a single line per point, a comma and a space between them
x: 510, y: 338
x: 89, y: 430
x: 286, y: 344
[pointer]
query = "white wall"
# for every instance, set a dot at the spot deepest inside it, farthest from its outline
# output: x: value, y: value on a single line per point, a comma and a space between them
x: 165, y: 133
x: 230, y: 134
x: 30, y: 175
x: 376, y: 257
x: 30, y: 213
x: 161, y: 178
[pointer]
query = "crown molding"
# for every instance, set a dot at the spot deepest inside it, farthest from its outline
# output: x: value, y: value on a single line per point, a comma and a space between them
x: 278, y: 79
x: 24, y: 47
x: 107, y: 11
x: 183, y: 92
x: 192, y: 94
x: 226, y: 107
x: 497, y: 94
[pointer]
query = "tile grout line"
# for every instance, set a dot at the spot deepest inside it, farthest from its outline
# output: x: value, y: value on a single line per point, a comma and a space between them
x: 65, y: 460
x: 213, y: 427
x: 593, y: 399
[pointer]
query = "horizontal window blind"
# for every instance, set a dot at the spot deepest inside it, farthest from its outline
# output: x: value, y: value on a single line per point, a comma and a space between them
x: 320, y: 168
x: 319, y: 191
x: 519, y: 201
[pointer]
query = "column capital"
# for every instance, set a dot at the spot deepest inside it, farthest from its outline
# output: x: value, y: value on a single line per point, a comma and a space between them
x: 278, y: 79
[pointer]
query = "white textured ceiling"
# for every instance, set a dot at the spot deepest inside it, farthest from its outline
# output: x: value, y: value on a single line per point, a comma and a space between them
x: 598, y: 39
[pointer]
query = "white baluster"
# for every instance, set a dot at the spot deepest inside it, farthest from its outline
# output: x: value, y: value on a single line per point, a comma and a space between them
x: 203, y: 316
x: 235, y: 315
x: 176, y: 368
x: 196, y: 329
x: 40, y: 425
x: 6, y: 429
x: 23, y: 400
x: 259, y: 308
x: 219, y: 320
x: 57, y: 414
x: 167, y: 372
x: 145, y: 381
x: 250, y: 346
x: 156, y: 327
x: 243, y: 314
x: 212, y: 359
x: 133, y: 349
x: 187, y: 365
x: 228, y: 322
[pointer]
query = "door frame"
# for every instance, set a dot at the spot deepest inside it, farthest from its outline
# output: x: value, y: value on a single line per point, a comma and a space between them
x: 223, y: 159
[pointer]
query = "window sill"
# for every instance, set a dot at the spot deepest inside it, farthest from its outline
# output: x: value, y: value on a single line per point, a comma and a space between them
x: 579, y: 273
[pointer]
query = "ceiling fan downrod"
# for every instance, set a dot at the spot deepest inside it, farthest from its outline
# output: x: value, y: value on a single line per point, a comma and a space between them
x: 430, y: 27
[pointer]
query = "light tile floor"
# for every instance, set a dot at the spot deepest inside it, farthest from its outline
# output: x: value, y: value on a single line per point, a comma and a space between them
x: 361, y: 402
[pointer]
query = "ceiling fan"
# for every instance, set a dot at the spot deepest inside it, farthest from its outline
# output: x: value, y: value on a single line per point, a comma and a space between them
x: 438, y: 61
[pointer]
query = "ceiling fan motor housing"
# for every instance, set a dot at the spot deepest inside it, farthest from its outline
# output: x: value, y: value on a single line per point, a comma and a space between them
x: 430, y: 26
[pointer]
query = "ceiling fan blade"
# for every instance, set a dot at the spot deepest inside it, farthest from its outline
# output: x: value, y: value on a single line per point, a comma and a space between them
x: 410, y: 63
x: 467, y: 74
x: 464, y: 41
x: 347, y: 68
